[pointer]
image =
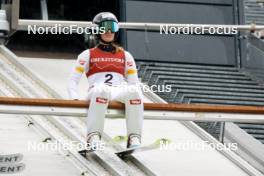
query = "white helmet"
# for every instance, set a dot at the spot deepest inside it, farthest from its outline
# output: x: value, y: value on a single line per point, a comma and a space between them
x: 107, y: 20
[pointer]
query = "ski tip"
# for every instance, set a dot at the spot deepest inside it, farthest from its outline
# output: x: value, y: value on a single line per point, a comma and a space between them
x: 85, y: 152
x: 120, y: 138
x: 162, y: 141
x: 82, y: 152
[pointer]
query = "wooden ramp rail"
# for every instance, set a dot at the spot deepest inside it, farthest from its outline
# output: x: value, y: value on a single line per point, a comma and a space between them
x: 196, y: 112
x: 147, y: 106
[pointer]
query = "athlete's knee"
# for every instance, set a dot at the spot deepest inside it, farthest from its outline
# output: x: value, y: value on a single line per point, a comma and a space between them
x: 134, y: 96
x: 135, y: 92
x: 102, y: 93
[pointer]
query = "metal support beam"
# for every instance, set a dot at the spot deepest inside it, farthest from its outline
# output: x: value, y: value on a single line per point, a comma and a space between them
x: 148, y: 114
x: 23, y: 25
x: 147, y: 106
x: 15, y: 14
x: 156, y: 111
x: 222, y: 132
x: 44, y: 9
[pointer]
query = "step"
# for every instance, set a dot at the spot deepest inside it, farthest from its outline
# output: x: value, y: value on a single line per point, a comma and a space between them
x: 255, y: 18
x: 255, y: 22
x: 223, y: 102
x: 151, y: 70
x: 186, y: 97
x: 202, y: 67
x: 258, y: 136
x: 254, y: 13
x: 190, y: 88
x: 183, y: 75
x: 186, y: 93
x: 193, y: 70
x: 255, y: 126
x: 209, y: 77
x: 209, y: 80
x: 254, y: 131
x: 253, y: 8
x: 175, y: 93
x: 222, y: 85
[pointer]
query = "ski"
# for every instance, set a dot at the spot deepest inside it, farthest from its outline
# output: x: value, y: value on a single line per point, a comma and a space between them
x: 115, y: 140
x: 155, y: 145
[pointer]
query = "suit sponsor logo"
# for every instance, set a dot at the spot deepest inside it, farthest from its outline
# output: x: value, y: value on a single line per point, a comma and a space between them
x: 107, y: 59
x: 101, y: 100
x: 131, y: 71
x: 135, y: 101
x: 130, y: 63
x: 79, y: 69
x: 82, y: 62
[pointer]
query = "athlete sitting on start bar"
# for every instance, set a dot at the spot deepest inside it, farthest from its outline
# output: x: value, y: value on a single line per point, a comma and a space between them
x: 112, y: 75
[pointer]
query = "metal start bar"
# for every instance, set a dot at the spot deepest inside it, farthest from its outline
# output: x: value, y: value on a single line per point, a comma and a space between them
x: 157, y: 111
x: 23, y: 25
x: 148, y: 114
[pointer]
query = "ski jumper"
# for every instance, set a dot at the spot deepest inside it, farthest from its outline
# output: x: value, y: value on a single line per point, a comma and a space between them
x: 111, y: 76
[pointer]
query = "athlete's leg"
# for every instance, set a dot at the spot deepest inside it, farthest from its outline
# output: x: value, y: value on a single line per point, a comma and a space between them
x: 132, y: 97
x: 99, y: 97
x: 134, y: 110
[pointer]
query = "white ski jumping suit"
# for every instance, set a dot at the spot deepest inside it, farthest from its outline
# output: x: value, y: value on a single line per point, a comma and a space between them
x: 111, y: 76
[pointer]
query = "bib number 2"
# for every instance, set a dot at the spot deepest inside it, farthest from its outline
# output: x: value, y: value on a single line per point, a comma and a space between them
x: 108, y: 78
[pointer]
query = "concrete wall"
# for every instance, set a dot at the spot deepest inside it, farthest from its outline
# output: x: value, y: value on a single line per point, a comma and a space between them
x: 181, y: 48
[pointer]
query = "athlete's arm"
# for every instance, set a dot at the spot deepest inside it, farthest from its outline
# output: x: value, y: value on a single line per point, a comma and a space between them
x: 80, y: 66
x: 131, y: 69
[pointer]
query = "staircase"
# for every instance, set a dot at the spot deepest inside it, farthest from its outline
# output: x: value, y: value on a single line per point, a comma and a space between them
x: 206, y: 84
x: 254, y: 11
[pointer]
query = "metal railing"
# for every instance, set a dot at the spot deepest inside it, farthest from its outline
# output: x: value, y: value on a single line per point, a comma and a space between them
x: 153, y: 111
x: 24, y: 23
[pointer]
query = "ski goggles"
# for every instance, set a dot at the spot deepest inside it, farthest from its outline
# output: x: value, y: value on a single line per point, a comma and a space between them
x: 109, y: 26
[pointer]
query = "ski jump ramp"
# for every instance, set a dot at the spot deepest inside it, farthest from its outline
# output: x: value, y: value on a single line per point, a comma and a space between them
x: 192, y: 151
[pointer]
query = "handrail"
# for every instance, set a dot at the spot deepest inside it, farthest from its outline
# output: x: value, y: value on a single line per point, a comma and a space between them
x: 147, y: 106
x: 23, y: 24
